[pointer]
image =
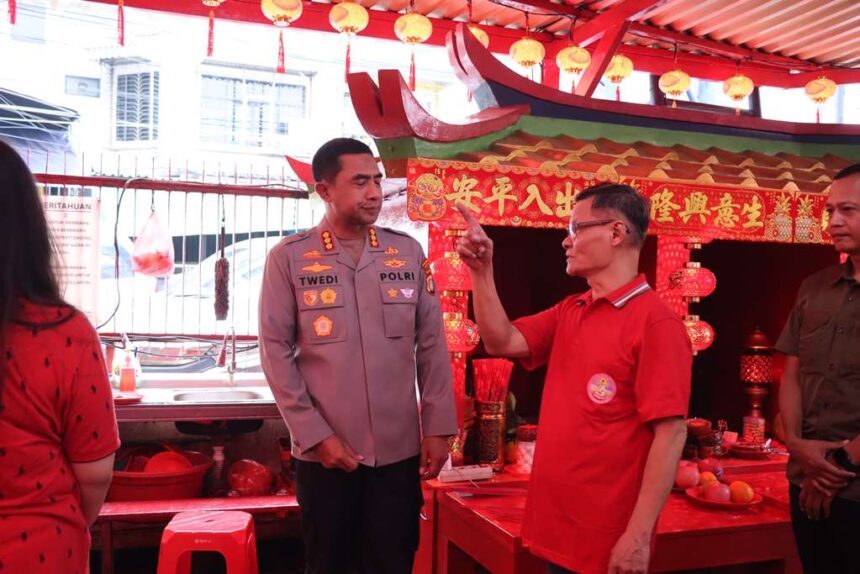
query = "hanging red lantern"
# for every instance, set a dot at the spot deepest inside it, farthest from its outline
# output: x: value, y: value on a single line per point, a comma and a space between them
x: 413, y: 28
x: 282, y: 13
x: 450, y: 273
x: 461, y: 334
x: 701, y: 333
x: 349, y: 18
x: 697, y: 281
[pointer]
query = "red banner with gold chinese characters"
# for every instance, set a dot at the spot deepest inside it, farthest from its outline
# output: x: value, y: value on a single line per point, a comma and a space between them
x: 525, y: 197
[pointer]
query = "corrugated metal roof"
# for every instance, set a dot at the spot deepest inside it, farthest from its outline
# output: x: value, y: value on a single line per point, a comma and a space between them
x: 818, y: 31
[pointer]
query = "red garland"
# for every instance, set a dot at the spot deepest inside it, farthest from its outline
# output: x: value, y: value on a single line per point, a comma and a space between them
x: 210, y: 48
x: 412, y: 71
x: 120, y: 24
x: 281, y: 65
x: 13, y: 11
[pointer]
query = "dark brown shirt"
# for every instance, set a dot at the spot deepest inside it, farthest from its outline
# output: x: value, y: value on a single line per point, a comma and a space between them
x: 823, y: 331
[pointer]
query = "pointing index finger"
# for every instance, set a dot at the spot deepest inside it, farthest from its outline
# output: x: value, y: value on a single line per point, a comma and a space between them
x: 470, y: 219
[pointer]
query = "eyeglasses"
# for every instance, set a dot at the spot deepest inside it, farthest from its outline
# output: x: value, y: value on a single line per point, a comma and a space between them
x: 573, y: 227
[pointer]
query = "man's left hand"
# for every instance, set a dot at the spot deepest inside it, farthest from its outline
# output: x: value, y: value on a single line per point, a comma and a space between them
x: 630, y: 555
x: 434, y: 453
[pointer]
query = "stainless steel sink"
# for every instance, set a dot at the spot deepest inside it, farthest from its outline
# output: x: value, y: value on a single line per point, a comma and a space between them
x: 218, y: 396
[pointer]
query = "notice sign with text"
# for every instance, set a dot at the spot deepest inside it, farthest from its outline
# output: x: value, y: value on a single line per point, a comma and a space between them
x: 74, y: 225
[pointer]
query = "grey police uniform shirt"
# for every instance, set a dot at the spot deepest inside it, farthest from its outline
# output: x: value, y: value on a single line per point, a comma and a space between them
x: 343, y: 344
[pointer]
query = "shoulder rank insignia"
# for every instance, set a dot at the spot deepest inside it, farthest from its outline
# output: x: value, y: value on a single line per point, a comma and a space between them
x: 312, y: 254
x: 328, y: 240
x: 394, y: 263
x: 429, y: 284
x: 323, y: 326
x: 316, y: 268
x: 310, y: 296
x: 328, y: 296
x: 391, y: 250
x: 374, y: 240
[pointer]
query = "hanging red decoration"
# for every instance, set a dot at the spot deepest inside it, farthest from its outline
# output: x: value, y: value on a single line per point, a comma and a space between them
x: 701, y: 333
x: 349, y: 18
x: 120, y: 23
x: 698, y: 282
x: 13, y: 11
x: 461, y: 334
x: 412, y: 28
x: 210, y: 46
x: 449, y: 271
x: 281, y: 56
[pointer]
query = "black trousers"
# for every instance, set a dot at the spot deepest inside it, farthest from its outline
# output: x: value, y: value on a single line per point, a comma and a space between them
x: 830, y: 545
x: 555, y: 569
x: 364, y: 521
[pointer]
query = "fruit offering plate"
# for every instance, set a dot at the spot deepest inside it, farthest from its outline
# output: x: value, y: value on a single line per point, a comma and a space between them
x: 695, y: 492
x: 126, y: 398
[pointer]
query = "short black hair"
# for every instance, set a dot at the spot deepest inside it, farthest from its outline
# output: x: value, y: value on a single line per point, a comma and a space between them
x: 622, y: 199
x: 845, y: 172
x: 326, y: 162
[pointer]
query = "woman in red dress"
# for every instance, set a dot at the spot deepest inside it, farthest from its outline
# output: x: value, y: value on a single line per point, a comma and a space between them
x: 58, y: 430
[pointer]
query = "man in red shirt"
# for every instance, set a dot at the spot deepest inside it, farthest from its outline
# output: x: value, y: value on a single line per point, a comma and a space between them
x: 616, y: 392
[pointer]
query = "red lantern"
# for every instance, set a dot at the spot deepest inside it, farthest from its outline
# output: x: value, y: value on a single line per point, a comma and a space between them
x: 460, y: 333
x: 701, y: 334
x: 698, y: 282
x: 451, y: 274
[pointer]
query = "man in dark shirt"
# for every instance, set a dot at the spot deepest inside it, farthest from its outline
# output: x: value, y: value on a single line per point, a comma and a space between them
x: 820, y: 396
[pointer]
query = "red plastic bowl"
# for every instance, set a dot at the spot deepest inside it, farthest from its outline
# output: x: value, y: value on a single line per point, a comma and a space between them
x: 161, y: 485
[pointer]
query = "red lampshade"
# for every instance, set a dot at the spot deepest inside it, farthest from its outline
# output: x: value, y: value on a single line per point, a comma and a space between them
x: 701, y: 334
x: 698, y: 281
x: 460, y: 333
x: 757, y: 359
x: 450, y: 273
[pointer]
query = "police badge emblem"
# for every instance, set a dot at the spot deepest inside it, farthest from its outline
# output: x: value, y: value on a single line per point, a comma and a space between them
x: 310, y: 297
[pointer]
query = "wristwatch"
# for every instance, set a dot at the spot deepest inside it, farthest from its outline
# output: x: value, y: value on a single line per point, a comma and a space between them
x: 840, y: 457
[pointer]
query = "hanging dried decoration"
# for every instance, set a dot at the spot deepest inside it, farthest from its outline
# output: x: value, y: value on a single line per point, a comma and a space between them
x: 210, y: 44
x: 120, y: 23
x: 282, y: 13
x: 349, y: 18
x: 413, y: 28
x: 819, y: 91
x: 527, y: 51
x: 222, y: 274
x: 13, y: 11
x: 620, y: 66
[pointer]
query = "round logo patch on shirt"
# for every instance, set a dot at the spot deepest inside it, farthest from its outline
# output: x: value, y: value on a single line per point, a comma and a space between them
x: 601, y: 388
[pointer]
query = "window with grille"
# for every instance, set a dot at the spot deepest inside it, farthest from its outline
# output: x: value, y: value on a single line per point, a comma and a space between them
x: 249, y: 112
x: 136, y: 107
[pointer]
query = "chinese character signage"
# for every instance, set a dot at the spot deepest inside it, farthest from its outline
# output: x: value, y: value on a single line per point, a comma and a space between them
x: 524, y: 197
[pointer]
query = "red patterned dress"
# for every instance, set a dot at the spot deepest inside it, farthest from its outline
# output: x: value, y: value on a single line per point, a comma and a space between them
x: 56, y: 408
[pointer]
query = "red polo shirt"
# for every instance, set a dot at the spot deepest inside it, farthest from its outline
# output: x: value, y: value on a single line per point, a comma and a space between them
x: 615, y: 364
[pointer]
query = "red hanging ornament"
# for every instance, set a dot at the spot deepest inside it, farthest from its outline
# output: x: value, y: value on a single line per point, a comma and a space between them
x: 348, y: 60
x: 13, y: 11
x: 120, y: 24
x: 210, y: 48
x: 618, y: 93
x: 281, y: 64
x: 412, y: 71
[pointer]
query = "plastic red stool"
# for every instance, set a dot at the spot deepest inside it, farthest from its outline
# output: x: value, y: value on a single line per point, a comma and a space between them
x: 230, y: 533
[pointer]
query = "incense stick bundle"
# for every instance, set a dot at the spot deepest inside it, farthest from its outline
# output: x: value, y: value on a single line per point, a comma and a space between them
x: 491, y: 378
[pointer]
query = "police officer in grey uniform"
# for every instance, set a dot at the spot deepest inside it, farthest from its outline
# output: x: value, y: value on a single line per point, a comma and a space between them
x: 349, y: 322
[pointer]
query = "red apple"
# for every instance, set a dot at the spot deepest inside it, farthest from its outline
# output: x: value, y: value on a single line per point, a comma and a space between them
x: 687, y: 475
x: 717, y: 492
x: 711, y: 465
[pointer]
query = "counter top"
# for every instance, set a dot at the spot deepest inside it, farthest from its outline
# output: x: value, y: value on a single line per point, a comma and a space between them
x: 203, y: 402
